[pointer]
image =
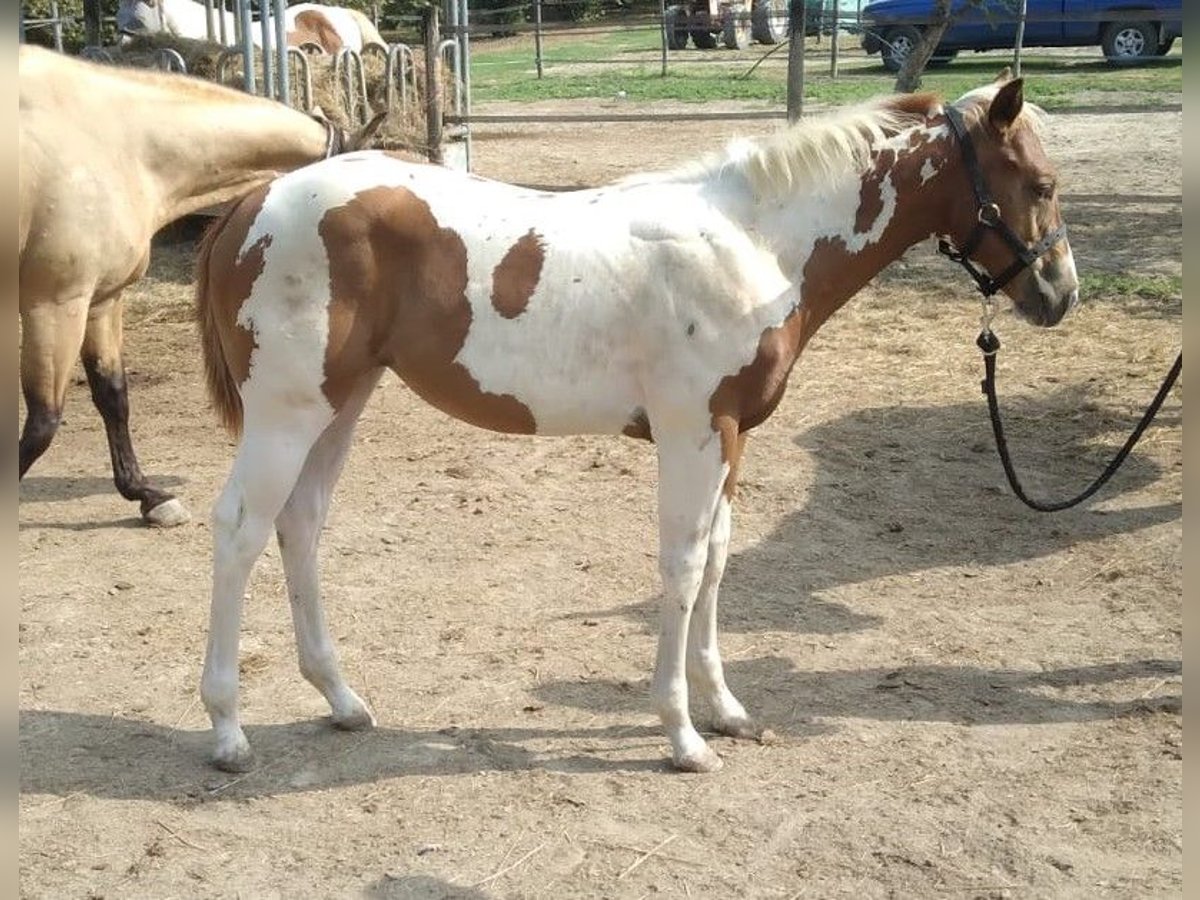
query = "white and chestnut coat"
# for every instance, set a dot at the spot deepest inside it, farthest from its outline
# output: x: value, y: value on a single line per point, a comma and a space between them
x: 669, y: 307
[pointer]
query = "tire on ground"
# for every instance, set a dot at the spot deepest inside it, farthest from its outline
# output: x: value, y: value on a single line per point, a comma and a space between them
x: 675, y: 23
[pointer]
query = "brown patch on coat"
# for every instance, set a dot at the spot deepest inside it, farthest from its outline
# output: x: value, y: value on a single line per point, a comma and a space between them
x: 516, y: 277
x: 398, y: 284
x: 733, y: 442
x: 313, y: 27
x: 870, y: 195
x: 831, y: 276
x: 223, y: 284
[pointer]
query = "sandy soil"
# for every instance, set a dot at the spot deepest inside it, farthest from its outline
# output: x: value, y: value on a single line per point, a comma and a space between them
x: 970, y: 699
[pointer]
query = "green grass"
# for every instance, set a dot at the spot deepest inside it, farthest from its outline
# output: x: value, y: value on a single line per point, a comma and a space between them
x: 505, y: 70
x: 1122, y: 284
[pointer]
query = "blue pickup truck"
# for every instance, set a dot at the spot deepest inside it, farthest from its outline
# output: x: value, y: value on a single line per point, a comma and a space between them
x: 1128, y: 31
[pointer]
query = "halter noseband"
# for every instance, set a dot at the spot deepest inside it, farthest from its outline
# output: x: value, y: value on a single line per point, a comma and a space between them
x: 988, y: 218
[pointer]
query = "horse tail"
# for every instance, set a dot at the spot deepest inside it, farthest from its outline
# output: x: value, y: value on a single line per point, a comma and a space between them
x: 222, y: 385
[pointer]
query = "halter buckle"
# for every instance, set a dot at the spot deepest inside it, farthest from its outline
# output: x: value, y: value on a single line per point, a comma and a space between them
x: 988, y: 313
x: 989, y: 214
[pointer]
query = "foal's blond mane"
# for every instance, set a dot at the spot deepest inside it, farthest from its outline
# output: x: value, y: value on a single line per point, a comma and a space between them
x: 821, y: 148
x: 816, y: 149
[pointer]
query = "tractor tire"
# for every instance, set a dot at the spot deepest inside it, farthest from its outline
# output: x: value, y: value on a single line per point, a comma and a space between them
x: 675, y: 23
x: 769, y: 21
x: 736, y: 34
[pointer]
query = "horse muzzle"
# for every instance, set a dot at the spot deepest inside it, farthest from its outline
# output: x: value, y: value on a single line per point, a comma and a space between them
x: 1047, y: 291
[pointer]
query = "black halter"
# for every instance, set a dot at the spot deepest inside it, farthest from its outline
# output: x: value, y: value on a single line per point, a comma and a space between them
x: 988, y: 218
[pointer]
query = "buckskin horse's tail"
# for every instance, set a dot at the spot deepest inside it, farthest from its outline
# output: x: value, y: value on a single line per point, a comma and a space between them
x: 222, y: 385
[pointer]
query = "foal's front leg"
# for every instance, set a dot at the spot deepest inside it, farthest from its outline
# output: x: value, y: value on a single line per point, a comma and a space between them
x: 691, y: 472
x: 705, y: 672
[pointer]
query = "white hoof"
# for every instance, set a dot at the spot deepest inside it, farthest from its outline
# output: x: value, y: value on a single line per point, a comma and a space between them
x: 234, y: 756
x: 355, y: 717
x: 168, y: 514
x: 701, y: 759
x: 742, y: 727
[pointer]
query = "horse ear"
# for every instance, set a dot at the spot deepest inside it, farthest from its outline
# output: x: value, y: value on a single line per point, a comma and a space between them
x: 1007, y: 105
x: 1005, y: 76
x: 363, y: 137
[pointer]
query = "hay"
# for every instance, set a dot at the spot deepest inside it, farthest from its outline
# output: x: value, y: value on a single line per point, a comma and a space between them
x: 404, y: 128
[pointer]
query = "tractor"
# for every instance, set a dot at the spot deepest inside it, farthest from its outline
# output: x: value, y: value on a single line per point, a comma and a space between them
x: 733, y: 22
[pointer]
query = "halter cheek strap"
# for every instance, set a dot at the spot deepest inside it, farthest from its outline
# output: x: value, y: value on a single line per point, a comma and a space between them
x: 988, y: 219
x: 335, y: 141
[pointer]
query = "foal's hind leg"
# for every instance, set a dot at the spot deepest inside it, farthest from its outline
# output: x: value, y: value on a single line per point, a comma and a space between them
x: 298, y: 527
x: 704, y: 668
x: 269, y: 460
x: 106, y: 375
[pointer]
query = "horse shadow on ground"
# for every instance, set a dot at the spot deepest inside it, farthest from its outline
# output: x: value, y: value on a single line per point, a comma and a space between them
x: 896, y: 491
x: 66, y: 753
x: 60, y: 488
x: 901, y: 490
x: 420, y: 887
x: 1102, y: 226
x: 64, y: 488
x: 785, y: 697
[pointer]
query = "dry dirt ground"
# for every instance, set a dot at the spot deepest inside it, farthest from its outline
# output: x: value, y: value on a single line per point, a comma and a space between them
x: 969, y: 699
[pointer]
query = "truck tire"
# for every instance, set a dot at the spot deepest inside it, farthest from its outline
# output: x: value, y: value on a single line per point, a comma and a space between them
x: 769, y: 21
x: 675, y: 23
x: 736, y: 34
x: 1126, y: 43
x: 898, y: 42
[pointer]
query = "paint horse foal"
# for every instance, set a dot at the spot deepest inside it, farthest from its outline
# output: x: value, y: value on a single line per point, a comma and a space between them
x: 107, y: 157
x: 670, y: 307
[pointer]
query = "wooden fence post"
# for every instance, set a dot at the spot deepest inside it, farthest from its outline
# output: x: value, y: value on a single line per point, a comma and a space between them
x: 795, y: 70
x: 433, y: 86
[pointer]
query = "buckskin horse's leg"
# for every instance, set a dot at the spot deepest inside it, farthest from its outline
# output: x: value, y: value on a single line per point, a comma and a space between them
x: 704, y: 668
x: 51, y: 334
x: 691, y: 473
x: 105, y: 368
x: 298, y: 528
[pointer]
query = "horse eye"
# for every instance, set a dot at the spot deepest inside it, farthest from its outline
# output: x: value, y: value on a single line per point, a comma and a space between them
x: 1044, y: 190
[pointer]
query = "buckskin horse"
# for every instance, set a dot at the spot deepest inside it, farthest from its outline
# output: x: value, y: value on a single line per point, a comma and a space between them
x: 107, y: 157
x: 670, y: 307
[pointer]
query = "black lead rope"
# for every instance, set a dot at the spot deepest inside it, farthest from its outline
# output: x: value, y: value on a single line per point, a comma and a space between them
x: 989, y: 344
